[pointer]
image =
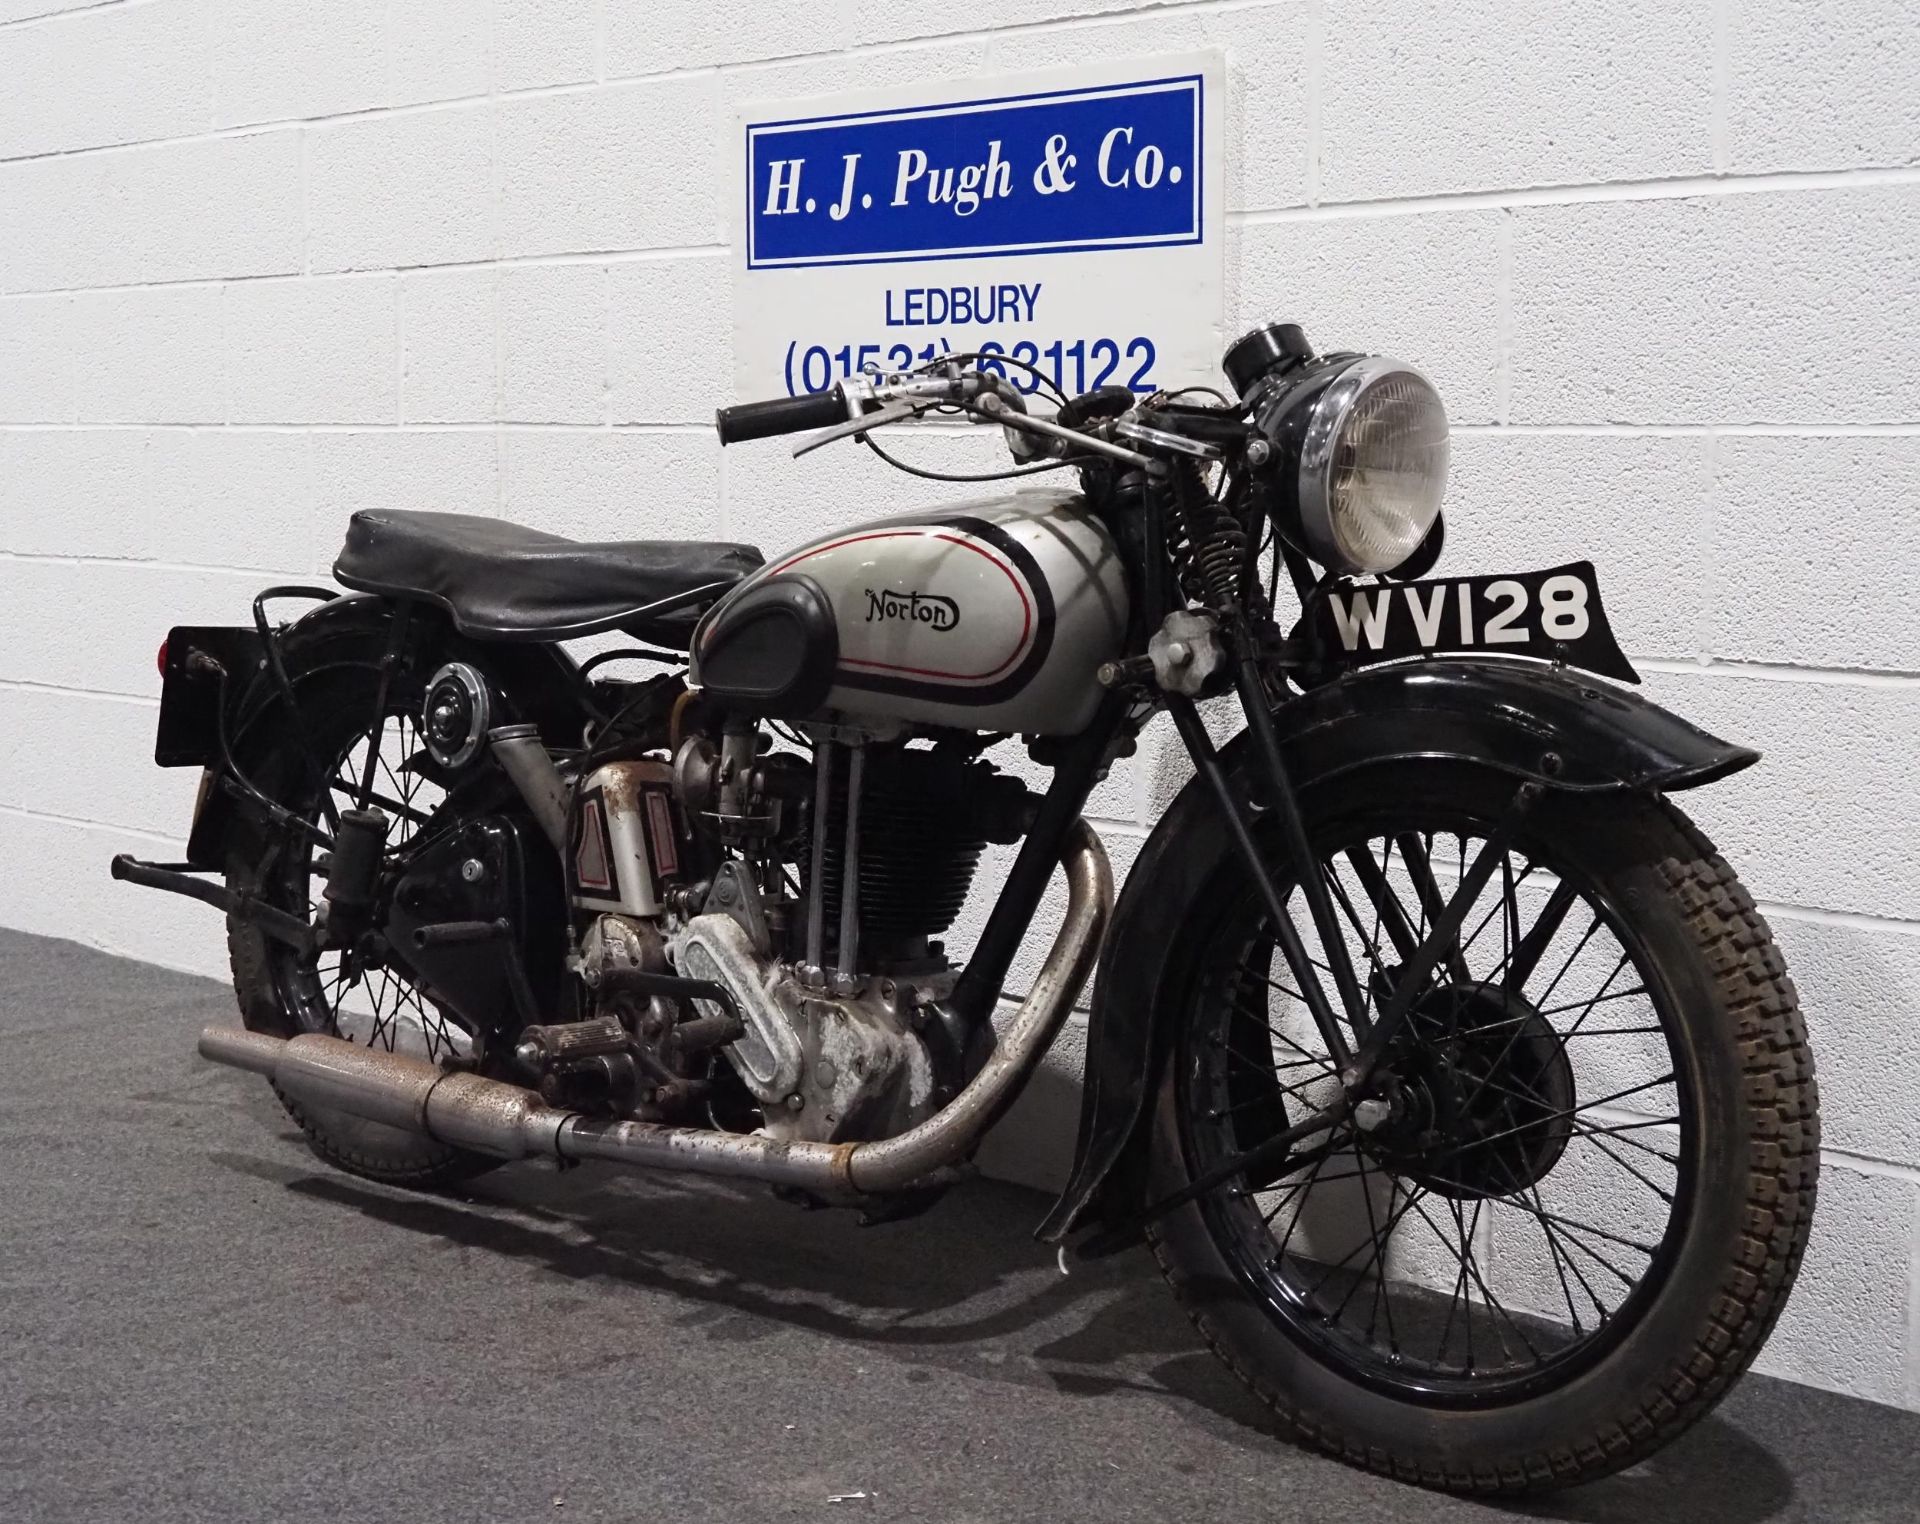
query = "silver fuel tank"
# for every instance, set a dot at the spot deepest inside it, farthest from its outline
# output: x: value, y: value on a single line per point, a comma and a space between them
x: 991, y: 615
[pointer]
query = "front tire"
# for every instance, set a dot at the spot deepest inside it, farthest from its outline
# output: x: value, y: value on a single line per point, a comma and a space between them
x: 1725, y: 1186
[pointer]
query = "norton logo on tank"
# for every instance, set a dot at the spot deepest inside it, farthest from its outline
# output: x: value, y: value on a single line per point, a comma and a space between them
x: 1060, y: 229
x: 928, y: 609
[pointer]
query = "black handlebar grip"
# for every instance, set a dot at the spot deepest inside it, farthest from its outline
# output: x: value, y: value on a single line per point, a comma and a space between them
x: 784, y: 415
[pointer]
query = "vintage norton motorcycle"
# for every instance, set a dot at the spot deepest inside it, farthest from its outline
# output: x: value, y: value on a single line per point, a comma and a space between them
x: 1451, y: 1076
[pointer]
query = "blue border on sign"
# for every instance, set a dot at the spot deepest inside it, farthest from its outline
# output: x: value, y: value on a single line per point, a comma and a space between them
x: 1040, y: 246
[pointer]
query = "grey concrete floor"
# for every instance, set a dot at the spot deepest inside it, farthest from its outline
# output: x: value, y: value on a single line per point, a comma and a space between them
x: 198, y: 1320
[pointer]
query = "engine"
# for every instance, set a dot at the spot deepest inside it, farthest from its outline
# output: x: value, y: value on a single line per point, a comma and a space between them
x: 925, y: 816
x: 834, y: 876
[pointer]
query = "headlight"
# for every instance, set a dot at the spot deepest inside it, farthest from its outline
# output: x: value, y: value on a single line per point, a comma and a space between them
x: 1373, y: 466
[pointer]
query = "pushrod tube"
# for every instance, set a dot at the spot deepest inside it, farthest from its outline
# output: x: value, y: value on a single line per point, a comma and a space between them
x: 817, y: 862
x: 523, y: 756
x: 850, y: 864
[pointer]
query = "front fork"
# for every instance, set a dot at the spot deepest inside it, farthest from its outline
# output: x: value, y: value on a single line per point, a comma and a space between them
x: 1358, y: 1032
x: 1372, y: 1032
x: 1357, y: 1061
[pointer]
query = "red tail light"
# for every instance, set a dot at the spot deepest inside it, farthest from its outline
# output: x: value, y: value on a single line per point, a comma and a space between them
x: 161, y: 660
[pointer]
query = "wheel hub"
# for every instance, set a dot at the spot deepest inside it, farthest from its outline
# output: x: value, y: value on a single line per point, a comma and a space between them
x: 1481, y: 1092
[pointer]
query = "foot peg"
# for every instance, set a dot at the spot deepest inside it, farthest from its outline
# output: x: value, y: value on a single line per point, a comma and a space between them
x: 179, y: 878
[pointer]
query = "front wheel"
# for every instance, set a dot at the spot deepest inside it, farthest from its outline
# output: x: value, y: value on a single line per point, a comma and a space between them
x: 1592, y: 1186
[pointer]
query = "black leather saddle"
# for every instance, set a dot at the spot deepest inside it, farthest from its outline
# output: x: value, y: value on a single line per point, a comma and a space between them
x: 504, y: 581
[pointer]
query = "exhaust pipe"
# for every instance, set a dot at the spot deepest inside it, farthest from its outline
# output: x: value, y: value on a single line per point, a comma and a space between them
x: 508, y: 1122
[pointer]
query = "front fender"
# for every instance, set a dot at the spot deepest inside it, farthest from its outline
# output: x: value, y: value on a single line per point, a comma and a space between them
x: 1551, y: 725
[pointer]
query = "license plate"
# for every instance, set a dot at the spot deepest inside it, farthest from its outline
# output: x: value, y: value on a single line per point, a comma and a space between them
x: 1555, y: 615
x: 188, y: 734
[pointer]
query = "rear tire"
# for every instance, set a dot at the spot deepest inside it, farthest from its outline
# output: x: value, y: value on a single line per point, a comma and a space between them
x: 350, y: 1143
x: 272, y: 988
x: 1737, y: 1222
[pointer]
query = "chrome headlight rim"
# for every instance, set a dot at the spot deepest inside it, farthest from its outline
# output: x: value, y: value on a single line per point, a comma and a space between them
x: 1326, y: 417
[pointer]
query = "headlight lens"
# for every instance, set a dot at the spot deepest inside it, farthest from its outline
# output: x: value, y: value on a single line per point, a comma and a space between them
x: 1373, y: 466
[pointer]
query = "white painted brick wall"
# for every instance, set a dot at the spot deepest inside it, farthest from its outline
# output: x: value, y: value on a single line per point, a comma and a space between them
x: 439, y: 51
x: 387, y: 192
x: 266, y: 262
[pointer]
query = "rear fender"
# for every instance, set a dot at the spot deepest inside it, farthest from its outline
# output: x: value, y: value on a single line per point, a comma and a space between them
x: 538, y: 682
x: 1557, y: 727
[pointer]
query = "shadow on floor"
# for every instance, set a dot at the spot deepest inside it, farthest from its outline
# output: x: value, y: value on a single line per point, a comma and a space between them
x: 179, y: 1278
x: 936, y: 1290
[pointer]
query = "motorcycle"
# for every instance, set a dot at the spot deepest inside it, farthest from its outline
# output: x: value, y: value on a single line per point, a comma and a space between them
x: 1451, y: 1077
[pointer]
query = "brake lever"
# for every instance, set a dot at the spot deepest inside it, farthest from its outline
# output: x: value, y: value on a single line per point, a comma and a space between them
x: 899, y: 409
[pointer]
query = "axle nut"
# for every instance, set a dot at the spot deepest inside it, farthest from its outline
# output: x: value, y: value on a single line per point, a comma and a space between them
x: 1371, y: 1113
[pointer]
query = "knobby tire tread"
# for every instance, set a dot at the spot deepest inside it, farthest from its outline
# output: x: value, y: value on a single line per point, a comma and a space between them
x: 1783, y: 1148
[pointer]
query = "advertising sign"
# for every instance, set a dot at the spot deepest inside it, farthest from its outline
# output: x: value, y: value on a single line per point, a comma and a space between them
x: 1064, y: 224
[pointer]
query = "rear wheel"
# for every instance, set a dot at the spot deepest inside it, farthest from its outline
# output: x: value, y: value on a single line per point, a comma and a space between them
x: 375, y: 1006
x: 1590, y: 1194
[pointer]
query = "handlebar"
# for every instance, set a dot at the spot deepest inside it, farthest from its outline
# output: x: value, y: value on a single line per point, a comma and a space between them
x: 1085, y: 425
x: 783, y: 415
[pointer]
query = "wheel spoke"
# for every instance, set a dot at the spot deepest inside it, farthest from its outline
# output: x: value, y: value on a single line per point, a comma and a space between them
x: 1459, y: 1287
x: 1370, y: 944
x: 1216, y: 1113
x: 1342, y: 1262
x: 1266, y: 1068
x: 1616, y: 1129
x: 1593, y: 928
x: 1573, y: 1240
x: 1562, y: 1037
x: 1277, y: 1034
x: 1601, y: 1233
x: 1499, y: 908
x: 1573, y: 1265
x: 1561, y: 1010
x: 1588, y: 1130
x: 1389, y: 913
x: 1528, y: 950
x: 1659, y: 1190
x: 1274, y: 1066
x: 1499, y: 1308
x: 1559, y: 1263
x: 1570, y: 1111
x: 1280, y: 1253
x: 393, y: 806
x: 1416, y: 852
x: 1382, y: 1290
x: 1488, y: 1081
x: 1282, y: 989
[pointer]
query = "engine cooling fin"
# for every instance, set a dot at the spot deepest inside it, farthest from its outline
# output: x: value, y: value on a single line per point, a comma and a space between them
x: 926, y: 815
